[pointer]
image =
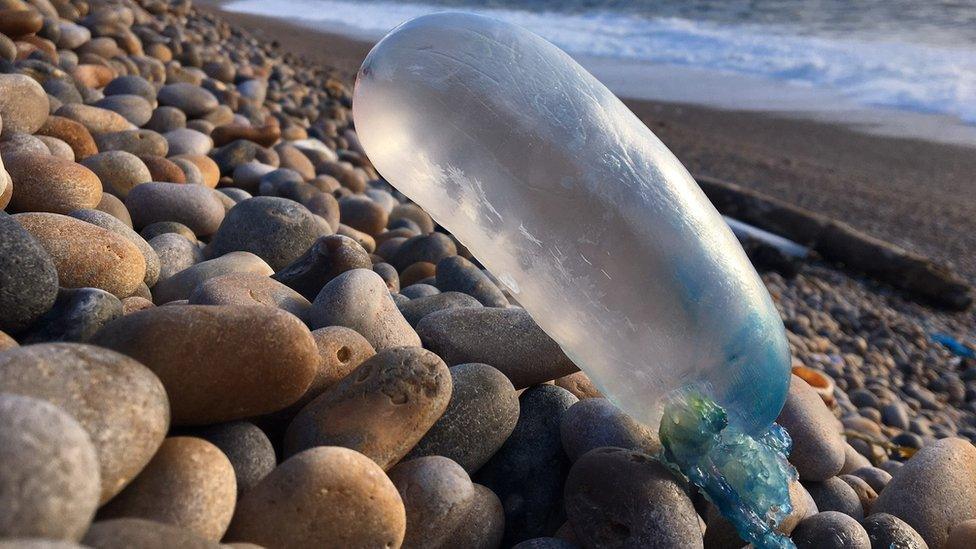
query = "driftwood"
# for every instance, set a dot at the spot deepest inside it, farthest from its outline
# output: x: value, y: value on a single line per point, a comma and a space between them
x: 839, y: 243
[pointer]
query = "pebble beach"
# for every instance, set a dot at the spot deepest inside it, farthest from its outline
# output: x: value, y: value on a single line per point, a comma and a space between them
x: 219, y: 326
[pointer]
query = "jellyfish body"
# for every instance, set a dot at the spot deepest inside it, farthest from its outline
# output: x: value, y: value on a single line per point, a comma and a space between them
x: 573, y: 203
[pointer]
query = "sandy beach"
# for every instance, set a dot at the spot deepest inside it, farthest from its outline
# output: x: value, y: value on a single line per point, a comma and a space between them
x: 918, y: 194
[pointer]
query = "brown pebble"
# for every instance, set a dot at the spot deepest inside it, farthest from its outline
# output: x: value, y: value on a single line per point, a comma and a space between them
x: 93, y: 76
x: 163, y: 169
x: 95, y: 119
x: 111, y: 205
x: 417, y: 272
x: 437, y: 494
x: 71, y: 132
x: 208, y: 168
x: 189, y: 483
x: 324, y: 497
x: 181, y: 284
x: 85, y: 255
x: 129, y: 533
x: 249, y: 289
x: 7, y: 342
x: 579, y: 384
x: 18, y: 23
x: 262, y: 135
x: 200, y: 352
x: 46, y: 183
x: 135, y: 303
x: 382, y: 409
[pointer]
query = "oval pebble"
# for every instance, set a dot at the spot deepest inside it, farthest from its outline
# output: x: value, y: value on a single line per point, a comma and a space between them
x: 480, y: 416
x: 73, y: 133
x: 77, y: 315
x: 437, y: 495
x: 416, y: 309
x: 381, y: 409
x: 249, y: 289
x: 119, y: 171
x: 95, y: 119
x: 508, y: 339
x: 359, y: 299
x: 830, y: 530
x: 890, y: 532
x: 181, y: 284
x: 193, y: 100
x: 457, y: 274
x: 137, y: 142
x: 23, y: 104
x: 46, y: 183
x: 596, y: 422
x: 818, y: 447
x: 86, y: 255
x: 127, y: 533
x: 49, y: 485
x: 192, y: 205
x: 189, y: 483
x: 247, y: 448
x: 187, y: 141
x: 323, y: 497
x: 934, y: 490
x: 110, y: 223
x: 623, y: 498
x: 197, y: 351
x: 120, y: 403
x: 324, y: 260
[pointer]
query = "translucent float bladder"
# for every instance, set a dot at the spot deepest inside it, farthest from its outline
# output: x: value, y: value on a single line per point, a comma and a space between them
x: 592, y: 223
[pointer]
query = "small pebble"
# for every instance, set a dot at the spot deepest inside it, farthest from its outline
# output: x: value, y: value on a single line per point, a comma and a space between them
x: 324, y: 260
x: 830, y: 530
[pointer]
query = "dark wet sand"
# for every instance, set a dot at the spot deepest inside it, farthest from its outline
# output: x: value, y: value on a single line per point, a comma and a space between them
x: 918, y: 194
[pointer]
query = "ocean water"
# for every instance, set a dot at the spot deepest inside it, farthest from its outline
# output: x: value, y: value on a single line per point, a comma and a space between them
x: 906, y: 55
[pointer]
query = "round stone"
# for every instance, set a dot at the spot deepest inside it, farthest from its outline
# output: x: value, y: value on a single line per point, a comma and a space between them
x: 249, y: 289
x: 275, y: 229
x: 181, y: 284
x: 119, y: 171
x: 431, y: 248
x: 247, y: 448
x: 137, y: 142
x: 86, y: 255
x: 193, y: 100
x: 596, y: 422
x: 119, y: 402
x: 818, y: 447
x: 126, y: 533
x: 110, y: 223
x: 76, y: 316
x: 480, y: 416
x: 830, y: 530
x: 359, y: 299
x: 381, y: 409
x: 133, y: 108
x: 342, y: 350
x: 49, y: 485
x: 508, y: 339
x: 28, y: 276
x: 187, y: 141
x: 131, y: 85
x: 197, y: 351
x: 456, y: 273
x: 175, y: 253
x: 322, y: 497
x: 96, y: 120
x: 46, y: 183
x: 528, y: 472
x: 437, y: 495
x: 23, y: 104
x: 888, y: 531
x: 362, y: 214
x: 834, y: 494
x: 73, y: 133
x: 417, y: 308
x: 163, y: 170
x: 189, y: 483
x: 192, y: 205
x: 324, y: 260
x: 623, y: 498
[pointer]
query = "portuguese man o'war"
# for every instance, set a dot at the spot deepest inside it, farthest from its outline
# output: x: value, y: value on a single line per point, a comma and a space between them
x: 600, y: 234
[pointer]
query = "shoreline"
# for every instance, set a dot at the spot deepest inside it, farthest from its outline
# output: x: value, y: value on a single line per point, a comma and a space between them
x: 906, y: 191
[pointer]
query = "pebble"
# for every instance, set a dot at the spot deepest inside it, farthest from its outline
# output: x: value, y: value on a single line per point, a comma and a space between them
x: 162, y: 227
x: 342, y: 350
x: 95, y: 119
x: 419, y: 290
x: 76, y: 316
x: 163, y: 169
x: 86, y: 255
x: 934, y: 490
x: 248, y: 175
x: 275, y: 229
x: 57, y: 147
x: 126, y: 533
x: 364, y: 240
x: 623, y: 498
x: 119, y: 171
x: 265, y: 135
x: 181, y: 284
x: 189, y: 483
x: 875, y: 477
x: 209, y: 172
x: 381, y: 409
x: 7, y: 342
x: 28, y: 277
x: 249, y: 289
x: 131, y: 85
x: 818, y: 447
x: 834, y: 494
x: 480, y: 416
x: 187, y: 141
x: 46, y: 183
x: 110, y: 223
x: 197, y: 351
x: 137, y: 142
x: 23, y: 104
x: 112, y: 205
x: 362, y: 214
x: 456, y: 273
x: 192, y: 205
x: 135, y: 303
x: 166, y: 119
x: 133, y: 108
x: 437, y: 494
x: 508, y: 339
x: 325, y: 259
x: 579, y: 384
x: 890, y: 532
x: 529, y: 470
x: 248, y: 449
x: 118, y: 401
x: 484, y: 524
x: 431, y: 248
x: 293, y: 158
x: 866, y: 495
x: 417, y: 308
x: 596, y: 422
x: 359, y: 299
x: 389, y: 276
x: 830, y: 530
x: 49, y: 485
x: 322, y: 497
x: 192, y: 100
x: 417, y: 272
x: 175, y: 253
